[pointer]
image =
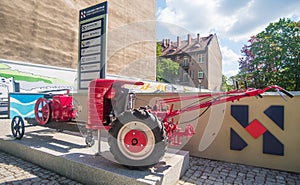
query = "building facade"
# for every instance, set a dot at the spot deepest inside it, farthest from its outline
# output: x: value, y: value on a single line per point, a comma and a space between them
x: 199, y: 58
x: 46, y: 32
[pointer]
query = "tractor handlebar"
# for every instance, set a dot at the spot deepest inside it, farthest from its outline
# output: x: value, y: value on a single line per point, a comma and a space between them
x: 280, y: 90
x: 287, y: 93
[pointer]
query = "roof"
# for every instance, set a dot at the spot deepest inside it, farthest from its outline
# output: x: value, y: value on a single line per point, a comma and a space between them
x: 197, y: 44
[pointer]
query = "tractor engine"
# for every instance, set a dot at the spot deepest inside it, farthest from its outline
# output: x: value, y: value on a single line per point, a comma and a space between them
x: 62, y: 108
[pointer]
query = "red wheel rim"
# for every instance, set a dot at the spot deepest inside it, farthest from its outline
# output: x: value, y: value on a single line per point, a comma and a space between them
x: 42, y: 111
x: 135, y: 141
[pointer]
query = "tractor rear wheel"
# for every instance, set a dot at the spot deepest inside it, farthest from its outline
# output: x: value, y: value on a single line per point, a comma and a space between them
x: 137, y: 139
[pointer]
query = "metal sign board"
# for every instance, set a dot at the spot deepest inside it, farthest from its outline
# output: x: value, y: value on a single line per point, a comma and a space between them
x: 92, y: 44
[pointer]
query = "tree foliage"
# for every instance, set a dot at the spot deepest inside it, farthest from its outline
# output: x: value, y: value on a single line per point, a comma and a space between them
x: 225, y: 83
x: 273, y: 56
x: 158, y: 50
x: 166, y: 70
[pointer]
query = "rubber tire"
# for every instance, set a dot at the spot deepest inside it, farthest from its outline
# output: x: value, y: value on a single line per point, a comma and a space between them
x: 157, y: 129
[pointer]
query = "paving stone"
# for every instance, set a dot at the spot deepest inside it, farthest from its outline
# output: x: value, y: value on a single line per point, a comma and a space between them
x: 188, y: 175
x: 209, y: 181
x: 193, y: 177
x: 197, y: 174
x: 218, y: 183
x: 194, y: 168
x: 208, y: 169
x: 281, y: 181
x: 291, y: 182
x: 15, y: 171
x: 238, y: 183
x: 229, y: 180
x: 223, y: 173
x: 53, y: 182
x: 212, y: 178
x: 269, y: 179
x: 233, y: 175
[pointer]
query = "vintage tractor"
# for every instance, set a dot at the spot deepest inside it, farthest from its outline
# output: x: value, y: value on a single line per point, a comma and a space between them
x: 138, y: 136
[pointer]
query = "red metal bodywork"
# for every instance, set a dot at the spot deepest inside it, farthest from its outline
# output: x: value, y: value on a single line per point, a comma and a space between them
x: 102, y: 92
x: 58, y: 108
x: 62, y: 108
x: 174, y: 132
x: 100, y: 95
x: 99, y: 103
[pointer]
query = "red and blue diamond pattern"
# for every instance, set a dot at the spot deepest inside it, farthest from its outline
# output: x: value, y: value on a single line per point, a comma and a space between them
x: 271, y: 145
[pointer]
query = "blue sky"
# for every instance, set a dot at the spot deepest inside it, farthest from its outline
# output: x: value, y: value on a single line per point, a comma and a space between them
x: 233, y: 21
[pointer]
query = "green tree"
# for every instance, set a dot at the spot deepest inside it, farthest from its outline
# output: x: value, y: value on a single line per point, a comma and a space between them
x: 166, y: 70
x: 229, y: 83
x: 273, y: 56
x: 158, y: 50
x: 225, y: 84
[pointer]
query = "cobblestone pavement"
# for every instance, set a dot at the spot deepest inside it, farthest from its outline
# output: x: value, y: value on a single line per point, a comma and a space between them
x: 204, y: 171
x: 201, y: 171
x: 14, y: 171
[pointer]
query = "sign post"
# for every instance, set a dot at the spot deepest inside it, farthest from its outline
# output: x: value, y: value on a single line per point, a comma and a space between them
x: 92, y: 44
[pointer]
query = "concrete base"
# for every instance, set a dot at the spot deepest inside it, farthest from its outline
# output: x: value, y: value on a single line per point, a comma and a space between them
x: 67, y: 155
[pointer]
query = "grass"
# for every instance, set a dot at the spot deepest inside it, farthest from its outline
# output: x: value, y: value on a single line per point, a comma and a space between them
x: 6, y: 72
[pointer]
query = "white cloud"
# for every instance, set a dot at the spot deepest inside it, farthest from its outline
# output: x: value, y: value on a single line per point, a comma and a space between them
x: 229, y: 56
x: 231, y: 72
x: 237, y: 20
x: 229, y: 61
x: 234, y: 21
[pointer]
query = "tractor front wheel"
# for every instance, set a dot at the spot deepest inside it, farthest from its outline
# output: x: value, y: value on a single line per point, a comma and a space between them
x: 137, y: 139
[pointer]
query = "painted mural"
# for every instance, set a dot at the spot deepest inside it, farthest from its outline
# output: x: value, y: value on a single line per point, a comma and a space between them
x: 23, y: 104
x: 34, y: 79
x: 29, y: 79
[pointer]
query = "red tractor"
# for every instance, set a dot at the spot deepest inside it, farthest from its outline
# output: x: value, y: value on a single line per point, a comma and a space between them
x: 138, y: 136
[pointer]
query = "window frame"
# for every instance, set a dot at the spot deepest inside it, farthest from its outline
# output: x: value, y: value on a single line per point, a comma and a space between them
x: 185, y: 61
x: 201, y: 58
x: 200, y: 76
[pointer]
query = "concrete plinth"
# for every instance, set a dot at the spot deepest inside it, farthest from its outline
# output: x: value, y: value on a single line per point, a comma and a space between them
x: 67, y: 154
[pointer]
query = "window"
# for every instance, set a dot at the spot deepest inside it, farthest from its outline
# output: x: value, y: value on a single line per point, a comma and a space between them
x: 185, y: 77
x: 200, y: 74
x: 185, y: 61
x: 201, y: 58
x: 192, y: 74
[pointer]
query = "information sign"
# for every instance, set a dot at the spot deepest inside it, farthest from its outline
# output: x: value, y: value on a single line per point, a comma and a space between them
x: 92, y: 44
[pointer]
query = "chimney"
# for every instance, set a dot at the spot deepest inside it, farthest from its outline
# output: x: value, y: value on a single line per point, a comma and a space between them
x: 178, y: 41
x: 189, y: 39
x: 198, y: 37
